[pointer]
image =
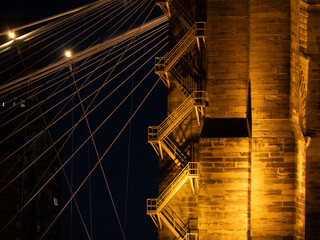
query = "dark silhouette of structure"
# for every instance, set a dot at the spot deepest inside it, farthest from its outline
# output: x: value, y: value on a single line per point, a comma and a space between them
x: 38, y: 215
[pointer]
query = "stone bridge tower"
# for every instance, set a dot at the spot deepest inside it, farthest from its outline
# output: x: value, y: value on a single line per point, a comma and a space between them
x: 239, y: 153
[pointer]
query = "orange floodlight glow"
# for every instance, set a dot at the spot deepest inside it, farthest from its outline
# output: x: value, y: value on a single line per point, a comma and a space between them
x: 68, y: 54
x: 12, y: 35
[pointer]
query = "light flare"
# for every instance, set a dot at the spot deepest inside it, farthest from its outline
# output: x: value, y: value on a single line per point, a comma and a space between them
x: 68, y: 53
x: 12, y: 35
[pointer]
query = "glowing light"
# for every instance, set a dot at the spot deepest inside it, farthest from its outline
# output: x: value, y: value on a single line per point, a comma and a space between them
x: 68, y: 54
x: 12, y: 35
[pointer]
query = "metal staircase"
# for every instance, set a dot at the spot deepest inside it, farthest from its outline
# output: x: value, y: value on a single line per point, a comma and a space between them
x: 182, y: 12
x: 191, y: 236
x: 158, y: 135
x: 156, y: 207
x: 174, y: 152
x: 165, y: 63
x: 165, y: 6
x: 186, y: 85
x: 173, y: 223
x: 189, y: 172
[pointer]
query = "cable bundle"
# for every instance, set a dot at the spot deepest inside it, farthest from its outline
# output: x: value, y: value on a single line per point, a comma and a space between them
x: 110, y: 42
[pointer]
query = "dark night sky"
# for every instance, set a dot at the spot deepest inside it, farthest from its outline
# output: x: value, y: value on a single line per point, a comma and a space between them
x: 38, y: 9
x: 143, y: 161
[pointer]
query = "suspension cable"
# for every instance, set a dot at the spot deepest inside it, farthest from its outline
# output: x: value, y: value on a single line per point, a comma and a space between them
x: 95, y: 166
x: 72, y: 128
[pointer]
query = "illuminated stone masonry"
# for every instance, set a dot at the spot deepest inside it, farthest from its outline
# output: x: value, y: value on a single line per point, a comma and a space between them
x: 257, y: 148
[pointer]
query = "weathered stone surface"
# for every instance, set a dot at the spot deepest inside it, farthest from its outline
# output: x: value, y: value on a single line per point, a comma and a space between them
x: 227, y: 58
x: 266, y: 187
x: 223, y: 197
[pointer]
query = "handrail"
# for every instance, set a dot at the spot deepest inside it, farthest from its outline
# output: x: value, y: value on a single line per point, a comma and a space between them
x: 154, y: 207
x: 176, y: 222
x: 193, y: 33
x: 201, y: 29
x: 159, y: 2
x: 173, y: 52
x: 173, y: 116
x: 191, y: 236
x: 175, y: 149
x: 171, y: 186
x: 162, y: 62
x: 164, y: 5
x: 188, y: 84
x: 191, y: 169
x: 195, y: 98
x: 178, y: 6
x: 185, y: 13
x: 165, y: 63
x: 151, y: 205
x: 153, y: 132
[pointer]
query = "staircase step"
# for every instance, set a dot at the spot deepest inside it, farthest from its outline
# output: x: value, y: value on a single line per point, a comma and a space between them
x: 190, y: 171
x: 158, y: 135
x: 172, y: 221
x: 166, y: 63
x: 158, y: 209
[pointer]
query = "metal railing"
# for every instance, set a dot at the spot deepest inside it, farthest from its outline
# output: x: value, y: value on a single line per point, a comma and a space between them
x: 188, y: 37
x: 158, y: 2
x: 188, y: 83
x: 179, y: 113
x: 153, y: 133
x: 165, y: 6
x: 197, y: 98
x: 201, y: 30
x: 189, y: 171
x: 175, y: 222
x: 157, y: 135
x: 185, y: 14
x: 167, y: 145
x: 163, y: 64
x: 191, y: 236
x: 184, y: 43
x: 151, y: 206
x: 175, y: 151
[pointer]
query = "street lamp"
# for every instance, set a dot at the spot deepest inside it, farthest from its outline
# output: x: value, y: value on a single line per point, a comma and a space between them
x: 12, y: 35
x: 68, y: 53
